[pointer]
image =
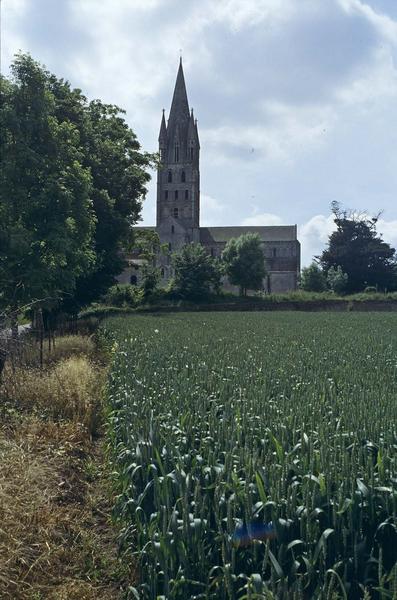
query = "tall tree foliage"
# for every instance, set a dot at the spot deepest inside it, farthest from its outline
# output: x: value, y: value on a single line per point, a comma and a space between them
x: 46, y: 214
x: 196, y: 272
x: 119, y: 174
x: 72, y: 182
x: 244, y: 262
x: 360, y: 252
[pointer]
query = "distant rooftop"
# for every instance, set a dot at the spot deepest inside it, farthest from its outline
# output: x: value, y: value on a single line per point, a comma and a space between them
x: 267, y: 233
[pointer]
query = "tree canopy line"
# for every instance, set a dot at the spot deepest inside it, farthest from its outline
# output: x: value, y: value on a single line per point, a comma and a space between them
x: 356, y: 258
x: 72, y: 183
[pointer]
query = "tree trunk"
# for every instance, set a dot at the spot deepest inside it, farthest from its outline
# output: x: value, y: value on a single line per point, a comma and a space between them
x: 14, y: 328
x: 3, y: 357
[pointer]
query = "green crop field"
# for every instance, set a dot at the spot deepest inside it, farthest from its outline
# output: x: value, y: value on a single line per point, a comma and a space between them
x: 256, y: 453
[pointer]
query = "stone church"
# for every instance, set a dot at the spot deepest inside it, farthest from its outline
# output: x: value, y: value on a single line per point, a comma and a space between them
x: 178, y: 205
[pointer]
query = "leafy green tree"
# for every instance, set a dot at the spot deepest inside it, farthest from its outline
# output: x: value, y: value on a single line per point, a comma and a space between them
x: 313, y: 279
x: 244, y: 262
x: 47, y: 219
x: 150, y: 280
x: 337, y: 280
x: 119, y: 176
x: 196, y: 272
x: 360, y: 252
x: 146, y: 243
x: 72, y: 183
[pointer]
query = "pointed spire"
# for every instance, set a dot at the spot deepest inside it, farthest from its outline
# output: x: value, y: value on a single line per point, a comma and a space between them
x: 191, y: 127
x: 192, y: 132
x: 197, y: 135
x: 180, y: 105
x: 163, y: 129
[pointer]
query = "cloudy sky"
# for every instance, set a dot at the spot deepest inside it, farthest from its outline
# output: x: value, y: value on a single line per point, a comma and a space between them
x: 296, y: 100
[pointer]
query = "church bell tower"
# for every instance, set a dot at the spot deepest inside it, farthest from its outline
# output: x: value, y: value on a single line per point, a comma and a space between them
x: 178, y: 176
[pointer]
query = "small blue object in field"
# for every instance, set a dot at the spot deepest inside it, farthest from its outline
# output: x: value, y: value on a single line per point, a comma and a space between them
x: 245, y: 534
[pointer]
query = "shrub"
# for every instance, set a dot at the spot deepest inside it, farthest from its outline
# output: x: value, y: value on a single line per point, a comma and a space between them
x: 313, y: 279
x: 124, y: 295
x: 337, y: 280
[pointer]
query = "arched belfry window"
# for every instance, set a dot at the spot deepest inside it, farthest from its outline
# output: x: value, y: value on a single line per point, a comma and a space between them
x: 176, y: 152
x: 186, y: 194
x: 183, y: 177
x: 169, y: 176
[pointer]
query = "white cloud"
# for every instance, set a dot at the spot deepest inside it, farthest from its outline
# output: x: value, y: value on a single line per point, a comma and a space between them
x: 385, y: 25
x: 388, y: 230
x: 251, y: 12
x: 11, y: 14
x: 313, y: 236
x: 285, y: 132
x: 376, y: 81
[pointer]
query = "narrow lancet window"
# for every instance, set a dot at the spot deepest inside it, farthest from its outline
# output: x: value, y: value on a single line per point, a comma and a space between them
x: 183, y: 177
x: 176, y: 152
x: 176, y: 212
x: 186, y: 194
x: 169, y: 176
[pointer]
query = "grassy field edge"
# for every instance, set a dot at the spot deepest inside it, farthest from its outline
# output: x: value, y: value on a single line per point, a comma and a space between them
x: 57, y: 536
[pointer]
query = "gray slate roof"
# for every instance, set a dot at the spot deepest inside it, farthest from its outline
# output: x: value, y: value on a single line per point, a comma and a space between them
x: 267, y: 233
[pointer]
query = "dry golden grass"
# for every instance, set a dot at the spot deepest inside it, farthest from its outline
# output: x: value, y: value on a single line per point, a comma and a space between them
x: 65, y: 346
x: 71, y: 389
x: 70, y: 345
x: 55, y: 536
